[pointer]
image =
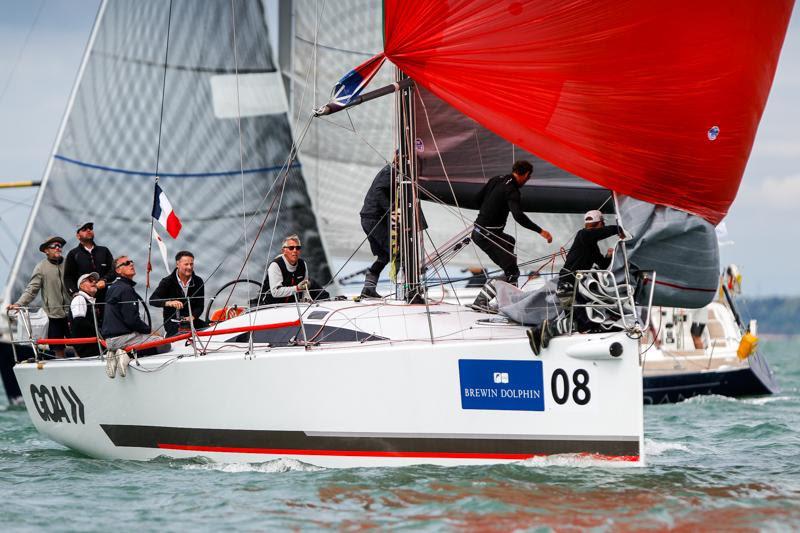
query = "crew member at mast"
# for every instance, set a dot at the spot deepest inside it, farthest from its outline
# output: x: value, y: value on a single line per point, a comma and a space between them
x: 287, y: 275
x: 179, y: 292
x: 375, y: 223
x: 499, y: 197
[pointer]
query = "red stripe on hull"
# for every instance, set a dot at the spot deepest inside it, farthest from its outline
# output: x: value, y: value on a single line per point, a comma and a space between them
x: 358, y: 453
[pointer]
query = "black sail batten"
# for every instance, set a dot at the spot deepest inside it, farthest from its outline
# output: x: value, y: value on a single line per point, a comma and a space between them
x: 541, y: 196
x: 472, y: 154
x: 112, y: 126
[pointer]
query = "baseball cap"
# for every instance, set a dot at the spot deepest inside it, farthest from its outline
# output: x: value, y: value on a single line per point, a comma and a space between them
x: 593, y: 216
x: 83, y: 278
x: 87, y: 225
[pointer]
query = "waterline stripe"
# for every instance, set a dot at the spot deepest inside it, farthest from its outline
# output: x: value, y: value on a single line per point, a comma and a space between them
x: 361, y: 453
x: 271, y: 442
x: 171, y: 174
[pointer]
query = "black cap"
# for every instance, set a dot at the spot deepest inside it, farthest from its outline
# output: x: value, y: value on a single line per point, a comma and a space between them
x: 88, y: 225
x: 50, y: 241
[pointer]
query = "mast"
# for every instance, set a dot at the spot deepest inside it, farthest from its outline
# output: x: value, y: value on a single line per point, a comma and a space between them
x: 408, y: 226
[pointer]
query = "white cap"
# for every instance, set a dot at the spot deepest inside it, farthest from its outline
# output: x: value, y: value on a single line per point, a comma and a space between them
x: 593, y: 216
x: 83, y: 278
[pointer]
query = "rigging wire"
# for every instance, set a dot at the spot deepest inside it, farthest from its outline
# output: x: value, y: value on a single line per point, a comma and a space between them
x: 447, y: 177
x: 158, y: 148
x: 241, y: 143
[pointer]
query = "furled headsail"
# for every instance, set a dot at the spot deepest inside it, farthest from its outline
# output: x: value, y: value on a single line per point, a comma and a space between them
x: 104, y: 160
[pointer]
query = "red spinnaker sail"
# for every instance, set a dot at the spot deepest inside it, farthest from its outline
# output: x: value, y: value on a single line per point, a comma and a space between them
x: 656, y: 100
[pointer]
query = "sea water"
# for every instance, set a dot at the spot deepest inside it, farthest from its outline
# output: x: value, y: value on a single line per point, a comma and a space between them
x: 714, y: 463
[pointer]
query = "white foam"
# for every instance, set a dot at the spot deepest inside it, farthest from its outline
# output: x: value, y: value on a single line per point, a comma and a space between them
x: 271, y: 467
x: 652, y: 447
x: 766, y: 399
x: 576, y: 461
x: 710, y: 398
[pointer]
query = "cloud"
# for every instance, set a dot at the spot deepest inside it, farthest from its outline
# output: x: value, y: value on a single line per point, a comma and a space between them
x: 772, y: 193
x: 789, y: 149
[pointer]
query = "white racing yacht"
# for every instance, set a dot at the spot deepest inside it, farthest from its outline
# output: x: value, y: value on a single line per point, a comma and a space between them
x: 406, y: 379
x: 354, y: 384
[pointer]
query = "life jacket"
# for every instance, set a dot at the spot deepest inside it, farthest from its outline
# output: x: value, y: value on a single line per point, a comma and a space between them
x: 290, y: 279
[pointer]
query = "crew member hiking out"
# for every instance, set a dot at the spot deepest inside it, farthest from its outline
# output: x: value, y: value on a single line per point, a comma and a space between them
x: 499, y: 197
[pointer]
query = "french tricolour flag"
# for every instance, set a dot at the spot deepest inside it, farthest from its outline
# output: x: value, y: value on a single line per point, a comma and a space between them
x: 163, y: 212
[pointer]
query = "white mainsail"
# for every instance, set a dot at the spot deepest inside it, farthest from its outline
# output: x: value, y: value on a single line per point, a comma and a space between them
x: 114, y: 141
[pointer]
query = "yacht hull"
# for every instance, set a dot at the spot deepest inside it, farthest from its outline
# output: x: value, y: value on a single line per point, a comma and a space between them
x: 373, y: 404
x: 754, y: 379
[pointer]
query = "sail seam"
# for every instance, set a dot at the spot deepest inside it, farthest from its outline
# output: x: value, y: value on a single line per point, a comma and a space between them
x: 187, y: 68
x: 172, y: 174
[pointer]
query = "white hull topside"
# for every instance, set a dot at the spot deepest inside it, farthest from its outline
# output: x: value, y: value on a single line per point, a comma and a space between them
x: 474, y: 395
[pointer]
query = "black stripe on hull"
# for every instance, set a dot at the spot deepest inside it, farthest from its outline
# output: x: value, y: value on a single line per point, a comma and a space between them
x: 678, y: 387
x: 297, y: 441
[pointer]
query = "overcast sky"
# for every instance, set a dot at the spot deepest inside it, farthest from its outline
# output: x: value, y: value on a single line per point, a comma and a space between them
x: 42, y: 42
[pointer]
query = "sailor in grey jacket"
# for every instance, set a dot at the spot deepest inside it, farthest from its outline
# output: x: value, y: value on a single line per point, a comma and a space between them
x: 48, y: 278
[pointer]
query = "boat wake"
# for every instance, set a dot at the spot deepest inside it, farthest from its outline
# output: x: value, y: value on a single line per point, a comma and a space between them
x: 577, y: 461
x: 652, y: 447
x: 716, y: 398
x: 270, y: 467
x: 766, y: 400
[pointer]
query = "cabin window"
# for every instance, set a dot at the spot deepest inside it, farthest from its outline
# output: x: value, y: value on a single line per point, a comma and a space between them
x: 290, y: 335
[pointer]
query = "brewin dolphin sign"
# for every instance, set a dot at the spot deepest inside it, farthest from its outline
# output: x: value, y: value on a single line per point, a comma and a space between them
x: 501, y: 385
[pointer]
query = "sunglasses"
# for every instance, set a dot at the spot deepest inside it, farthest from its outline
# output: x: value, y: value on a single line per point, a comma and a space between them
x: 293, y: 247
x: 126, y: 263
x: 55, y: 246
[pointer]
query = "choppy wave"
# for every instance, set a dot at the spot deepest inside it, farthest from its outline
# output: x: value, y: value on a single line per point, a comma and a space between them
x: 654, y: 448
x: 269, y: 467
x: 576, y: 461
x: 766, y: 399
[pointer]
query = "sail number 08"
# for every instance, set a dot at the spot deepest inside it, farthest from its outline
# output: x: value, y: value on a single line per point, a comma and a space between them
x: 560, y: 386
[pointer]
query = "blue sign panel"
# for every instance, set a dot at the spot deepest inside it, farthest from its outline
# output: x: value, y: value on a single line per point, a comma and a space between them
x: 501, y: 385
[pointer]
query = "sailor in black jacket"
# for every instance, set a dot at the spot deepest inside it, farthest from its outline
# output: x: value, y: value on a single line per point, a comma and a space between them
x: 86, y: 258
x: 375, y: 223
x: 179, y: 292
x: 376, y: 220
x: 584, y: 254
x: 499, y: 197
